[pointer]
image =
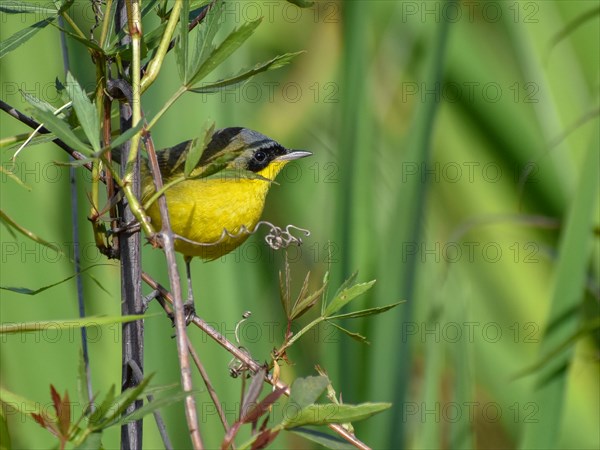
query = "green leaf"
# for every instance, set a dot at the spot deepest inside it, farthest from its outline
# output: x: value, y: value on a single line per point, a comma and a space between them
x: 196, y: 149
x: 153, y: 406
x: 229, y: 45
x: 5, y: 442
x: 16, y: 7
x: 85, y: 110
x: 121, y: 139
x: 22, y: 36
x: 301, y: 3
x: 17, y: 180
x: 205, y: 35
x: 60, y: 128
x: 38, y: 139
x: 92, y: 441
x: 365, y: 312
x: 305, y: 302
x: 332, y: 413
x: 346, y: 295
x: 122, y: 402
x: 11, y: 224
x: 39, y: 103
x: 27, y: 291
x: 356, y: 336
x: 350, y: 281
x: 182, y: 47
x: 326, y: 440
x: 23, y: 404
x: 87, y: 42
x: 100, y: 412
x: 306, y: 391
x: 246, y: 74
x: 68, y: 324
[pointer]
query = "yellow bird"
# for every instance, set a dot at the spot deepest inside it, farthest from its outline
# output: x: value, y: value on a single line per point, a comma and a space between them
x: 212, y: 216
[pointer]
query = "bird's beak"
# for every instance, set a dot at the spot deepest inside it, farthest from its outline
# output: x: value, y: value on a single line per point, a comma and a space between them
x: 294, y: 154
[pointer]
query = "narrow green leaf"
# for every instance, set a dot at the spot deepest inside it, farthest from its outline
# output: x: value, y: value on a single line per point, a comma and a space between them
x: 39, y: 103
x: 23, y: 404
x: 347, y: 295
x: 101, y: 411
x: 365, y: 312
x: 34, y: 237
x: 306, y: 391
x: 61, y: 129
x: 5, y: 441
x: 356, y: 336
x: 326, y: 440
x: 87, y: 42
x: 122, y: 402
x: 305, y: 303
x: 16, y: 179
x: 92, y: 441
x: 22, y: 36
x: 584, y: 329
x: 350, y: 281
x: 325, y: 292
x: 38, y: 139
x: 246, y: 74
x: 16, y: 7
x: 121, y: 139
x: 229, y: 45
x: 27, y: 291
x: 153, y: 406
x: 68, y: 324
x: 85, y: 110
x: 182, y: 48
x: 205, y: 35
x: 196, y: 149
x: 332, y: 413
x: 97, y: 283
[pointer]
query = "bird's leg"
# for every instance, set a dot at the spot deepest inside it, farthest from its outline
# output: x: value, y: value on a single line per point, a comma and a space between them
x: 188, y: 307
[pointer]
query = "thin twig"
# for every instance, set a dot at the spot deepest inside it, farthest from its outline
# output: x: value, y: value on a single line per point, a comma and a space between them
x: 168, y: 244
x: 209, y: 386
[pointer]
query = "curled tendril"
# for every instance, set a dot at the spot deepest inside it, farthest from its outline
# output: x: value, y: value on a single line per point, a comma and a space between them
x: 277, y: 238
x: 245, y: 316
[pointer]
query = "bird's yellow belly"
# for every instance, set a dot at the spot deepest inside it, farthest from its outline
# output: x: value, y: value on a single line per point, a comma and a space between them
x: 200, y: 210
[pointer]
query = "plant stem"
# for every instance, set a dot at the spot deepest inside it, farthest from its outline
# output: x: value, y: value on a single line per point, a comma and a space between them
x: 163, y: 47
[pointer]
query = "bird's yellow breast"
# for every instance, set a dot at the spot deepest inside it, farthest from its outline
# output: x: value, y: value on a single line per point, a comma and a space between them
x: 201, y: 209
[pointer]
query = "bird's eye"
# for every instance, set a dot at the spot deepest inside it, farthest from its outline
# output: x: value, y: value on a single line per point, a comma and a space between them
x: 260, y: 156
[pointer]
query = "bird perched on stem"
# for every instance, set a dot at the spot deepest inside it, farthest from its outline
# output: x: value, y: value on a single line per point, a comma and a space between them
x: 216, y: 203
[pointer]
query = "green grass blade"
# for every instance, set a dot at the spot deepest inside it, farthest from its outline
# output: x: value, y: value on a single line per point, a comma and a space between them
x: 232, y: 42
x: 22, y: 36
x: 85, y: 110
x: 569, y: 285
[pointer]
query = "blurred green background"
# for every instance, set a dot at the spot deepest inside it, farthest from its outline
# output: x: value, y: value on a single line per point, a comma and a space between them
x: 425, y: 119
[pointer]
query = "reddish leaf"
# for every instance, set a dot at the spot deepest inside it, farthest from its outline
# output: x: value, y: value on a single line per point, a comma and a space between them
x: 264, y: 439
x: 55, y: 398
x: 64, y: 416
x: 40, y: 419
x: 228, y: 439
x: 262, y: 407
